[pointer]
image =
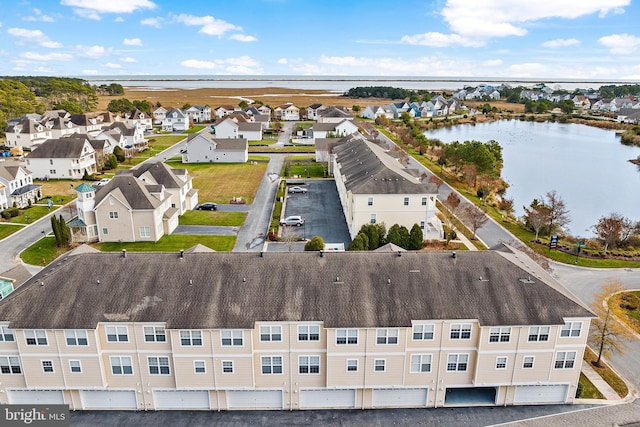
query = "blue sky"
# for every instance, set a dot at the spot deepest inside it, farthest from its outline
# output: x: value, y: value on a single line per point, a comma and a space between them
x: 570, y: 39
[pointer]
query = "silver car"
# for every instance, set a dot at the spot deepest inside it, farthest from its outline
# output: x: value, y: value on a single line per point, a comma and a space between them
x: 296, y: 220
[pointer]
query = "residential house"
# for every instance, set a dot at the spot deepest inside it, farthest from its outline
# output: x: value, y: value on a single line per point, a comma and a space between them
x: 374, y: 111
x: 159, y: 114
x: 113, y: 138
x: 400, y: 107
x: 201, y: 147
x: 16, y: 186
x: 137, y: 118
x: 224, y: 110
x: 333, y: 115
x: 324, y: 147
x: 375, y: 187
x: 27, y: 133
x: 62, y: 158
x: 312, y: 111
x: 175, y: 121
x: 359, y: 330
x: 235, y: 128
x: 287, y: 112
x: 91, y: 124
x: 133, y: 134
x: 141, y: 204
x: 199, y: 113
x: 337, y: 130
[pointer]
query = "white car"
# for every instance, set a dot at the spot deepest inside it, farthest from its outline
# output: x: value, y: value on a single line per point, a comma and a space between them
x: 297, y: 189
x: 296, y: 220
x: 104, y: 181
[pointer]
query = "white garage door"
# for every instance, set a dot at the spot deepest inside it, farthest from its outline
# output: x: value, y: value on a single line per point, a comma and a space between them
x: 51, y: 397
x: 541, y: 394
x: 181, y: 399
x: 108, y: 399
x: 254, y: 399
x: 321, y: 398
x: 409, y: 397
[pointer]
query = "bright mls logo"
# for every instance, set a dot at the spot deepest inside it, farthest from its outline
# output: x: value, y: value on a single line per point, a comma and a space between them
x: 35, y: 415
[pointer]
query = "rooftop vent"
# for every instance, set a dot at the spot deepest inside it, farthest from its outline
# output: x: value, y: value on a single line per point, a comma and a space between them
x: 321, y: 254
x: 399, y: 253
x: 124, y: 253
x: 453, y: 255
x: 181, y: 253
x: 527, y: 280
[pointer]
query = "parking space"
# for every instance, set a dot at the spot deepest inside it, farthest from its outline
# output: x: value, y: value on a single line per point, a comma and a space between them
x: 321, y: 209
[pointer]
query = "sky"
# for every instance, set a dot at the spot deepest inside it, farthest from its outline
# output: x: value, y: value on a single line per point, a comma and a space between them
x: 597, y: 40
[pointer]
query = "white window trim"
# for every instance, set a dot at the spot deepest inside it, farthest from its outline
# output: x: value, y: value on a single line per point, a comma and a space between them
x: 457, y: 362
x: 191, y: 337
x: 570, y: 328
x: 347, y: 336
x: 270, y: 330
x: 233, y: 368
x: 460, y: 328
x: 357, y: 365
x: 421, y: 362
x: 308, y: 333
x: 232, y: 337
x: 308, y: 364
x: 506, y: 363
x: 121, y: 365
x: 195, y: 367
x: 6, y: 331
x: 271, y: 365
x: 387, y: 334
x: 538, y: 333
x: 76, y: 334
x: 10, y: 365
x: 422, y: 326
x: 33, y: 334
x: 71, y: 367
x: 375, y: 365
x: 159, y: 365
x: 154, y: 333
x: 524, y: 361
x: 500, y: 333
x: 50, y: 362
x: 565, y: 359
x: 114, y: 328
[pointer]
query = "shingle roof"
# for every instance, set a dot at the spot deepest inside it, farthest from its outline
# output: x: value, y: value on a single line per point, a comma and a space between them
x: 129, y: 190
x: 62, y: 148
x: 234, y: 290
x: 162, y: 174
x: 11, y: 172
x: 231, y: 144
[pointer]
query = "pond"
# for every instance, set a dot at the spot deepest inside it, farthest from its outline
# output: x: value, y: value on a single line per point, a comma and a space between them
x: 587, y: 166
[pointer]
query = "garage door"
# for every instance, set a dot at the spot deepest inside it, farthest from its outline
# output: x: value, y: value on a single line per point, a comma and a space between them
x: 108, y: 399
x: 254, y: 399
x: 541, y: 394
x: 50, y: 397
x: 394, y: 398
x: 181, y: 399
x: 321, y: 398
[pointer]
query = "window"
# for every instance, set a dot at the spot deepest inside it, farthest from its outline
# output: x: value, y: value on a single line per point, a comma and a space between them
x: 387, y: 336
x: 231, y: 337
x: 424, y: 201
x: 379, y: 365
x: 36, y: 337
x: 457, y: 362
x: 227, y: 366
x: 117, y: 334
x: 538, y: 334
x: 421, y: 225
x: 75, y: 367
x: 309, y: 364
x: 271, y: 364
x: 373, y: 219
x: 76, y: 337
x: 158, y: 365
x: 571, y: 329
x: 6, y: 334
x: 308, y: 333
x: 113, y: 215
x: 352, y: 365
x: 121, y: 365
x: 191, y: 338
x: 527, y: 362
x: 105, y: 231
x: 145, y: 231
x: 565, y: 359
x: 346, y: 336
x: 154, y: 334
x: 423, y: 332
x: 270, y: 333
x: 199, y: 367
x: 47, y: 366
x: 460, y: 331
x: 10, y: 365
x: 370, y: 201
x: 501, y: 362
x: 421, y: 363
x: 499, y: 334
x: 406, y: 201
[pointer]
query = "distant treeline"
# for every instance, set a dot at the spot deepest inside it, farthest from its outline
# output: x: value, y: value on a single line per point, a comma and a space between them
x: 388, y: 92
x: 619, y: 91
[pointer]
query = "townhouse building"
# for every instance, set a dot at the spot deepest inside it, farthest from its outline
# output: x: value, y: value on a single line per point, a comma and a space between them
x: 221, y: 331
x: 70, y: 157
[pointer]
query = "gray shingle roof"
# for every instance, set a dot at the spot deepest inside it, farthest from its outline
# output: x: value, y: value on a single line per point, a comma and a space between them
x: 130, y: 190
x: 234, y: 290
x: 61, y: 148
x: 231, y: 144
x: 162, y: 173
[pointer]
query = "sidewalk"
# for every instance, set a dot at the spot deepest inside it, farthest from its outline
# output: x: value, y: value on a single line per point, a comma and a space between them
x: 599, y: 383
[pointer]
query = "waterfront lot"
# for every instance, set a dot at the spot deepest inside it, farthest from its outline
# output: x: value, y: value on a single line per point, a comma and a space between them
x: 321, y: 209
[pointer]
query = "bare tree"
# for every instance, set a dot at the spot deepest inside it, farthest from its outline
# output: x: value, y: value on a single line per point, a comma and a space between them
x: 558, y: 212
x: 433, y: 179
x: 289, y: 236
x: 607, y: 332
x: 452, y: 205
x: 470, y: 173
x: 506, y: 206
x: 474, y: 217
x: 537, y: 216
x: 612, y: 229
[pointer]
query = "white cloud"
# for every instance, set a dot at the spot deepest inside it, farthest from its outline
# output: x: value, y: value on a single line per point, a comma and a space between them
x: 33, y: 36
x: 112, y: 65
x: 93, y: 51
x: 43, y: 70
x: 561, y: 43
x: 492, y: 63
x: 620, y: 44
x: 208, y: 24
x: 38, y: 16
x: 477, y: 22
x: 153, y: 22
x: 241, y: 65
x: 35, y: 56
x: 129, y: 59
x: 132, y: 42
x: 282, y: 61
x: 90, y: 72
x: 243, y: 38
x: 118, y: 19
x: 530, y: 69
x: 93, y: 8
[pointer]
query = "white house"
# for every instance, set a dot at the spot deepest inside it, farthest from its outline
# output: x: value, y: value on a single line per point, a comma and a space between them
x: 333, y: 115
x: 287, y: 112
x: 138, y: 118
x: 63, y: 158
x: 227, y: 128
x: 199, y: 113
x: 175, y: 121
x: 201, y: 147
x: 323, y: 130
x: 16, y: 186
x: 374, y: 111
x: 27, y: 133
x: 224, y: 110
x: 159, y: 115
x: 133, y: 133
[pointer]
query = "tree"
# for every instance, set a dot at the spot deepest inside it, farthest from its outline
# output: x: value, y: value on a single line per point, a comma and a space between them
x: 435, y: 180
x: 111, y: 162
x: 119, y: 153
x: 474, y: 217
x: 243, y: 104
x: 607, y: 332
x: 470, y: 174
x: 356, y: 108
x: 537, y: 216
x: 398, y: 235
x: 613, y: 229
x: 65, y: 231
x: 315, y: 244
x: 505, y: 205
x: 452, y: 203
x: 358, y: 243
x: 186, y: 106
x: 416, y: 238
x: 56, y: 230
x: 558, y: 212
x: 567, y: 106
x: 375, y: 234
x: 122, y: 105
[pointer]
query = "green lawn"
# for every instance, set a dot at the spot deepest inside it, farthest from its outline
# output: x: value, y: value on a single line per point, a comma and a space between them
x: 29, y: 215
x: 172, y: 243
x: 589, y: 391
x: 607, y: 374
x: 263, y: 142
x: 44, y: 248
x: 7, y: 229
x: 286, y: 149
x: 194, y: 129
x: 213, y: 218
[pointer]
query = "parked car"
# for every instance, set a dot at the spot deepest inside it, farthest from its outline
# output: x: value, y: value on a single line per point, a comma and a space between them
x: 208, y: 206
x: 297, y: 189
x: 296, y: 220
x: 103, y: 181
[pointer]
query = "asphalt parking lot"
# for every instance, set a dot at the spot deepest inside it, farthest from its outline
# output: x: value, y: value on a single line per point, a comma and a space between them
x: 322, y: 211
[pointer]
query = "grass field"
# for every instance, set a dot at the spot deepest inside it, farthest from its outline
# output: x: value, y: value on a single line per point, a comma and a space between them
x: 230, y: 219
x: 589, y: 391
x: 607, y: 374
x: 7, y: 229
x: 44, y: 248
x: 172, y: 243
